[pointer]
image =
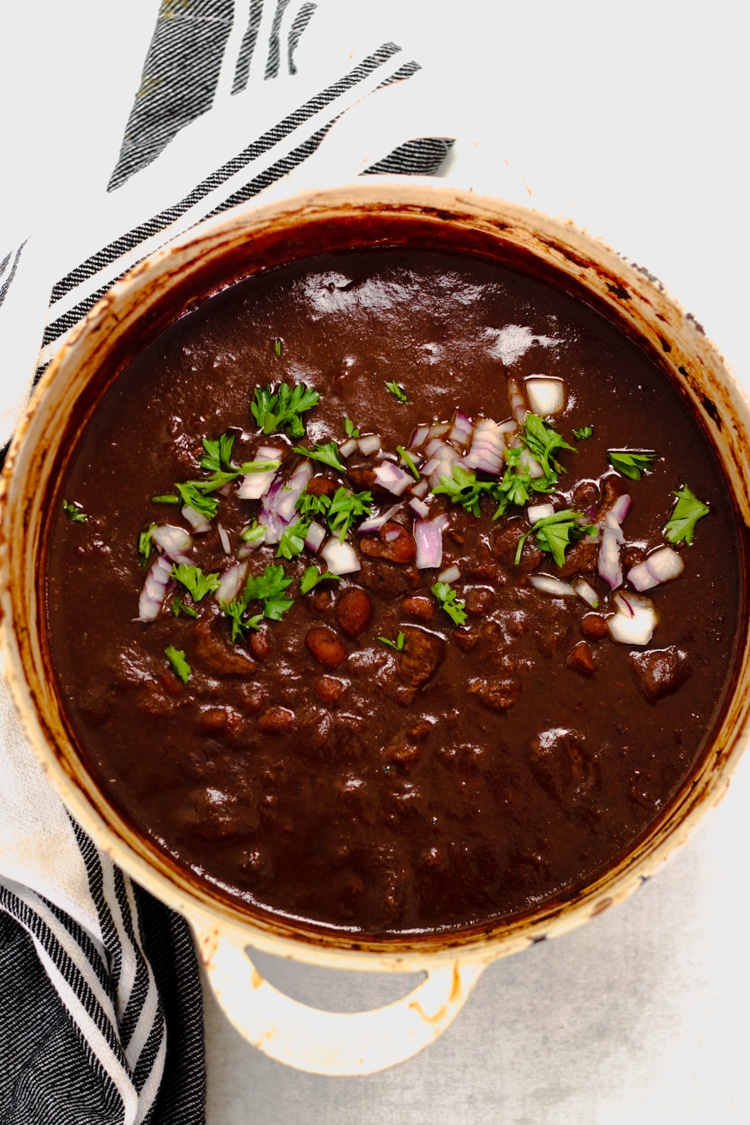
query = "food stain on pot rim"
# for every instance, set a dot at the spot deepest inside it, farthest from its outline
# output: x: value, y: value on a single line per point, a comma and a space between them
x: 401, y: 656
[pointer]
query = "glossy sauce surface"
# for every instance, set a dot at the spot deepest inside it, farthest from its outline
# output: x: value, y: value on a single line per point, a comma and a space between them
x: 311, y: 769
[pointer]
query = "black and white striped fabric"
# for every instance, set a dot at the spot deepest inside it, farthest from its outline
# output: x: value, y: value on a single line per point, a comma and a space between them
x: 100, y: 1002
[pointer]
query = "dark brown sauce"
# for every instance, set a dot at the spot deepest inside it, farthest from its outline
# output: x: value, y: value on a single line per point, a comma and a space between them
x: 482, y: 770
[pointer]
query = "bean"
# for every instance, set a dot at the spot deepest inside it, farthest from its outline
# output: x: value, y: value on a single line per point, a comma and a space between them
x: 325, y: 647
x: 276, y: 720
x: 417, y: 605
x: 353, y: 611
x: 328, y: 689
x: 259, y: 644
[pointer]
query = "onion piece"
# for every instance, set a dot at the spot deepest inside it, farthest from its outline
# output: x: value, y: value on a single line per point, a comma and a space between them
x: 392, y: 478
x: 420, y: 489
x: 608, y: 559
x: 374, y: 523
x: 517, y: 401
x: 531, y: 465
x: 539, y: 512
x: 231, y: 582
x: 419, y: 507
x: 255, y: 485
x: 226, y: 546
x: 370, y: 443
x: 340, y: 558
x: 419, y: 437
x: 286, y: 507
x: 199, y: 523
x: 347, y: 447
x: 462, y: 429
x: 450, y: 574
x: 585, y: 592
x: 549, y: 585
x: 155, y: 589
x: 661, y: 566
x: 546, y: 394
x: 428, y: 536
x: 315, y: 536
x: 173, y: 541
x: 487, y: 450
x: 635, y: 620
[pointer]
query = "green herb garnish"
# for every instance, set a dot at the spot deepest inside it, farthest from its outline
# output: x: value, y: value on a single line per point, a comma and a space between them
x: 685, y: 515
x: 176, y: 658
x: 631, y: 464
x: 345, y: 508
x: 555, y: 533
x: 166, y: 498
x: 195, y: 581
x: 277, y: 410
x: 397, y: 391
x: 312, y: 576
x: 218, y: 453
x: 292, y: 541
x: 542, y: 441
x: 145, y: 543
x: 310, y: 505
x: 179, y: 606
x: 350, y: 429
x: 74, y: 511
x: 408, y: 460
x: 584, y: 433
x: 445, y: 596
x: 399, y: 642
x: 517, y: 485
x: 267, y: 588
x: 327, y: 452
x: 277, y: 345
x: 463, y: 488
x: 254, y: 534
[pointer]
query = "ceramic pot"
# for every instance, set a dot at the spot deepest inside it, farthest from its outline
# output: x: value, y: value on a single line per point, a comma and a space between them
x: 123, y: 322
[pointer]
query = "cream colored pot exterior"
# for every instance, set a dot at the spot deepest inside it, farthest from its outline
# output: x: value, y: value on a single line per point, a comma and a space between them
x: 218, y: 252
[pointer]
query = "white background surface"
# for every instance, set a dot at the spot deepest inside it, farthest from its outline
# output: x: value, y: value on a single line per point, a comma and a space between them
x: 630, y: 119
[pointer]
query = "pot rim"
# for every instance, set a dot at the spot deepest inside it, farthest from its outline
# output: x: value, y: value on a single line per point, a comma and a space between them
x: 725, y: 411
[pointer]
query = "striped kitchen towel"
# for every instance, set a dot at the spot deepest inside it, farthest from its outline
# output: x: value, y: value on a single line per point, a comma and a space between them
x: 100, y: 1002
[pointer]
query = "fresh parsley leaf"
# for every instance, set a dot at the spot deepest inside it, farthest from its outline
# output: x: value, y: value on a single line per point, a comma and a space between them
x: 630, y: 463
x: 463, y: 488
x: 312, y: 576
x: 542, y: 441
x: 292, y: 542
x: 397, y: 391
x: 445, y: 596
x: 685, y: 515
x: 555, y: 533
x: 179, y: 606
x: 310, y: 505
x: 145, y: 544
x: 327, y: 452
x: 267, y: 588
x: 74, y: 511
x: 276, y: 410
x: 277, y: 346
x: 350, y: 429
x: 274, y: 608
x: 345, y: 508
x: 195, y: 581
x: 176, y: 658
x: 166, y: 498
x: 254, y: 534
x: 398, y: 644
x: 218, y: 453
x: 269, y: 584
x: 408, y: 460
x: 194, y: 494
x: 584, y: 433
x: 235, y: 611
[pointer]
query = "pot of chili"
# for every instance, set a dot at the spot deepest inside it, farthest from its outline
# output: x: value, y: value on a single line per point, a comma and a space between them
x: 372, y: 585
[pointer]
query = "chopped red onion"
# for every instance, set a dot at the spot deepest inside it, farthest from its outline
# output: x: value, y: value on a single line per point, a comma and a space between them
x: 621, y: 507
x: 226, y: 546
x: 546, y: 394
x: 374, y: 523
x: 531, y: 465
x: 517, y: 401
x: 554, y: 586
x: 231, y: 582
x: 286, y: 505
x: 429, y: 539
x: 461, y: 430
x: 340, y: 558
x: 370, y: 443
x: 439, y: 429
x: 419, y: 437
x: 420, y: 489
x: 255, y: 485
x: 539, y: 512
x: 608, y: 559
x: 487, y: 451
x: 635, y: 620
x: 660, y: 566
x: 155, y: 588
x: 392, y: 478
x: 450, y: 574
x: 586, y: 592
x: 347, y: 447
x: 173, y: 541
x: 419, y: 507
x: 316, y: 533
x: 199, y: 523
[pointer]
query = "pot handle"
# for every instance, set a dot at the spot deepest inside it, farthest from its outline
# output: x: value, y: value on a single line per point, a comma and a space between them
x: 332, y: 1043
